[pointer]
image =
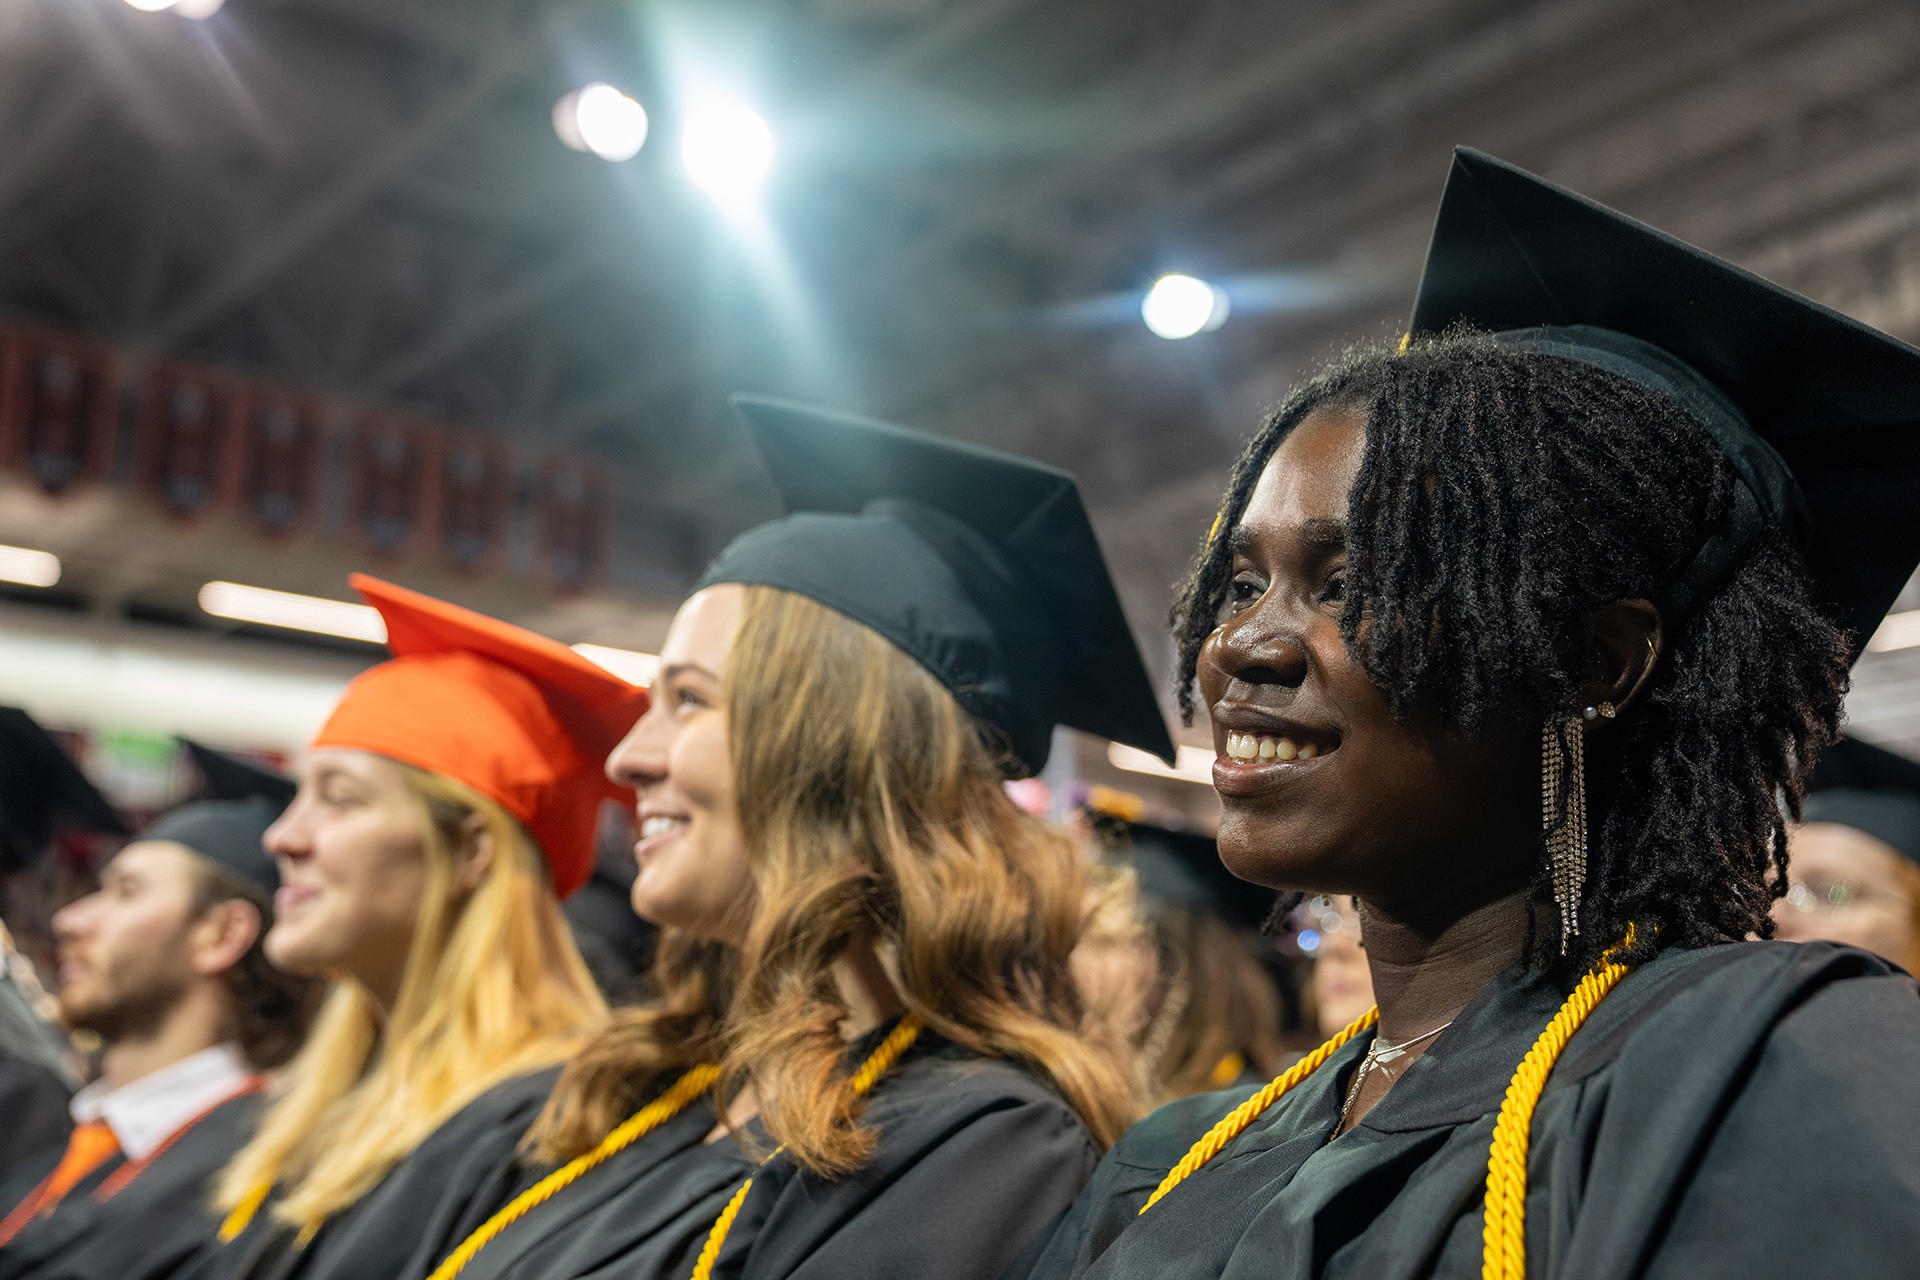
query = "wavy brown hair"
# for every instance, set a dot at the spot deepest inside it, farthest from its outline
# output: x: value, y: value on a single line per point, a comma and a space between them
x: 872, y: 809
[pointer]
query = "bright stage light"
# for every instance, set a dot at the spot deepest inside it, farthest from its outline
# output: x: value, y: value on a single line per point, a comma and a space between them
x: 633, y: 667
x: 294, y: 612
x: 1897, y: 631
x: 727, y: 149
x: 1180, y: 306
x: 1195, y: 763
x: 196, y: 9
x: 29, y: 568
x: 600, y: 119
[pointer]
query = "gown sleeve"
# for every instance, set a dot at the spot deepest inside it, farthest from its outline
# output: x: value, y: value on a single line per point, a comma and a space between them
x: 1816, y: 1168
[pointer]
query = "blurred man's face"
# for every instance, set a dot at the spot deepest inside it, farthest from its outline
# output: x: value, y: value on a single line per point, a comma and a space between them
x: 123, y: 949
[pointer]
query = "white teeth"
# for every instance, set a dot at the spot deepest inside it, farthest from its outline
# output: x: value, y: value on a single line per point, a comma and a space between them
x: 659, y: 826
x: 1253, y: 746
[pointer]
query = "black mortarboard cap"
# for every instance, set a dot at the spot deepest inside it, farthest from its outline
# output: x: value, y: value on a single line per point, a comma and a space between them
x: 41, y: 790
x: 229, y: 827
x: 980, y: 565
x: 1816, y: 412
x: 231, y: 777
x: 1184, y: 868
x: 1870, y: 789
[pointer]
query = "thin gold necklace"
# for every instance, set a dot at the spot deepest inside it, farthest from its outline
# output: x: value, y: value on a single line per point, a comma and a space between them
x: 1379, y: 1055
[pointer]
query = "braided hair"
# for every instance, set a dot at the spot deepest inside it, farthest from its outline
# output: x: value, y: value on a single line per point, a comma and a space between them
x: 1502, y: 496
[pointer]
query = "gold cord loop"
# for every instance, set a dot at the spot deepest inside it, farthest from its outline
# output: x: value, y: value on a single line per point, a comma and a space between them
x: 676, y: 1099
x: 878, y: 1063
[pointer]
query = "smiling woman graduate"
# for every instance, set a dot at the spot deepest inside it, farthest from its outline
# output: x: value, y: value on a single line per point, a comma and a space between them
x: 885, y: 1001
x: 444, y: 809
x: 1522, y: 635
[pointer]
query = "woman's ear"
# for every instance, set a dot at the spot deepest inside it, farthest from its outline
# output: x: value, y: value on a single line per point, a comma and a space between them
x: 475, y: 855
x: 1624, y: 643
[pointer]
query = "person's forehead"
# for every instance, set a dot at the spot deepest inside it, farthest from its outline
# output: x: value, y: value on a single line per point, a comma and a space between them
x: 1834, y: 847
x: 152, y: 860
x: 1310, y: 475
x: 704, y: 626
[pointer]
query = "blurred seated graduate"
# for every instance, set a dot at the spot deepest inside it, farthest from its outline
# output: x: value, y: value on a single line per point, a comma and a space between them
x: 867, y: 1056
x: 1853, y: 863
x: 165, y: 964
x: 41, y: 793
x: 1212, y: 1014
x: 1526, y: 633
x: 444, y: 809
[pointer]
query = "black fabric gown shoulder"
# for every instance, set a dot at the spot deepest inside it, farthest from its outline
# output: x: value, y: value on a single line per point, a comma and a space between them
x: 974, y: 1160
x: 1743, y: 1110
x: 33, y: 1101
x: 404, y: 1222
x: 146, y: 1228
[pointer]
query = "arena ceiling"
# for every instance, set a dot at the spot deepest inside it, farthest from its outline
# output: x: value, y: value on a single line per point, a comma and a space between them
x: 367, y: 198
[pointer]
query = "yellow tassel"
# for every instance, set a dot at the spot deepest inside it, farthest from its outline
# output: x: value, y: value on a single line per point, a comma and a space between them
x: 1406, y: 343
x: 710, y: 1251
x: 243, y: 1212
x: 636, y: 1126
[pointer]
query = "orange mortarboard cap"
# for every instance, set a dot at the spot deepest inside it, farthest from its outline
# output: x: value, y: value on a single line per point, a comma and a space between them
x: 520, y: 718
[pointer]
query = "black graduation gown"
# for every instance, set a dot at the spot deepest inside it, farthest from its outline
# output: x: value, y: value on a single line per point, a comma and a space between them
x: 974, y: 1160
x: 151, y: 1225
x: 1749, y: 1109
x: 405, y: 1221
x: 33, y: 1100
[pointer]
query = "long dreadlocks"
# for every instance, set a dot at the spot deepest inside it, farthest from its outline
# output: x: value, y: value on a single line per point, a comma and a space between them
x: 1503, y: 495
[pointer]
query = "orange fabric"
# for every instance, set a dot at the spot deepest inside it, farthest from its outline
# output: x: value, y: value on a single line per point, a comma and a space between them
x: 88, y: 1147
x: 518, y: 717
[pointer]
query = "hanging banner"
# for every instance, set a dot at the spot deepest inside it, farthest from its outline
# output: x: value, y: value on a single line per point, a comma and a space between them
x: 187, y: 440
x: 572, y: 523
x: 59, y: 406
x: 283, y: 455
x: 394, y: 475
x: 476, y: 501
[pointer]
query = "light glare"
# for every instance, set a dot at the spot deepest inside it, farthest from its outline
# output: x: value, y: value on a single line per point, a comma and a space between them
x: 195, y: 9
x: 600, y: 119
x: 269, y: 608
x: 727, y: 150
x: 629, y: 665
x: 1180, y: 306
x: 1897, y: 631
x: 29, y: 568
x: 1194, y: 764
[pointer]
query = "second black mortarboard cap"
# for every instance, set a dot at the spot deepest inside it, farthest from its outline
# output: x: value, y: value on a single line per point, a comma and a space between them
x: 1870, y: 789
x: 1182, y: 867
x: 980, y: 565
x: 229, y: 826
x: 1819, y: 414
x: 41, y: 791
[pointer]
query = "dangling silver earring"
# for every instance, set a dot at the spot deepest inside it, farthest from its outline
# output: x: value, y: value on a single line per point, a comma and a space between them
x: 1563, y: 810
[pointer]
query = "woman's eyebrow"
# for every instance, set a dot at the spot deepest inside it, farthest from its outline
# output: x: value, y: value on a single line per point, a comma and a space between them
x: 675, y: 669
x: 1324, y: 535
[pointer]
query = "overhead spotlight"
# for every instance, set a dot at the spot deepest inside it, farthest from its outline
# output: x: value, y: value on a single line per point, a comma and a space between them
x: 29, y: 568
x: 727, y: 149
x: 628, y: 664
x: 1195, y: 764
x: 268, y: 608
x: 196, y: 9
x: 1180, y: 306
x: 600, y: 119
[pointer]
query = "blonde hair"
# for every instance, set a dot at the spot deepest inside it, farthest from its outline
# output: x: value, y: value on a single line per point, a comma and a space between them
x: 872, y: 810
x: 1218, y: 1005
x: 493, y: 987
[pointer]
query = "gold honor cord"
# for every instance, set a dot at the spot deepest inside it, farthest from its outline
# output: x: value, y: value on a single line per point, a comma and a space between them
x: 878, y: 1063
x: 676, y: 1099
x: 1505, y: 1257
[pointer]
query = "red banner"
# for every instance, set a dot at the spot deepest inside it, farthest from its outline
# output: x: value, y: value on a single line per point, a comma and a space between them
x: 573, y: 521
x: 187, y: 440
x: 59, y: 406
x: 394, y: 468
x: 283, y: 460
